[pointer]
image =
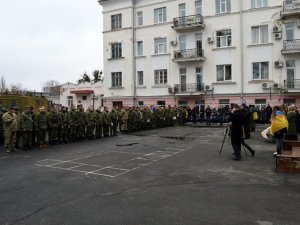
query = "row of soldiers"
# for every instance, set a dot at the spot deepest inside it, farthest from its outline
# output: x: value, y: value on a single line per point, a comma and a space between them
x: 75, y: 124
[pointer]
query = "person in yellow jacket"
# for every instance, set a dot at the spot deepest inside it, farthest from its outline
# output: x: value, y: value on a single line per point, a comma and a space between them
x: 279, y: 126
x: 10, y: 125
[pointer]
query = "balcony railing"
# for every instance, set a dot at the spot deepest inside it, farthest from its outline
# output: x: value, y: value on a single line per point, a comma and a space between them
x: 188, y: 22
x: 194, y: 54
x: 292, y: 46
x: 290, y: 8
x: 292, y: 84
x: 189, y: 88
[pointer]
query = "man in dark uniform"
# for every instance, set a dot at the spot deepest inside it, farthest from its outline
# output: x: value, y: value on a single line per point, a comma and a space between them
x: 236, y: 125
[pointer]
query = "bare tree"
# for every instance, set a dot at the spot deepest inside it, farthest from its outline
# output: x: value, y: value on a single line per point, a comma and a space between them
x: 3, y: 86
x: 16, y: 88
x: 52, y: 86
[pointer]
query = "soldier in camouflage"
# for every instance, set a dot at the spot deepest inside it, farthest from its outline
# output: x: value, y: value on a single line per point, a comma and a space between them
x: 41, y: 123
x: 10, y: 128
x: 90, y: 123
x: 53, y: 120
x: 114, y: 119
x: 106, y: 121
x: 99, y: 123
x: 26, y: 126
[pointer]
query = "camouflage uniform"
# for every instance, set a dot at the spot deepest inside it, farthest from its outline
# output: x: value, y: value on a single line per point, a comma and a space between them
x: 82, y: 123
x: 10, y: 128
x: 19, y: 132
x: 41, y: 122
x: 124, y: 119
x: 26, y: 126
x: 90, y: 123
x: 73, y: 123
x: 34, y: 131
x: 114, y: 119
x: 53, y: 120
x: 64, y: 125
x: 106, y: 122
x: 99, y: 123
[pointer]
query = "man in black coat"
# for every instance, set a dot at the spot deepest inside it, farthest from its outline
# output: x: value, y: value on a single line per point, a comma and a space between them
x: 236, y: 125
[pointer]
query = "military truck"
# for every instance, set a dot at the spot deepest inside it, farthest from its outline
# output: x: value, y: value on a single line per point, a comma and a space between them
x: 21, y: 101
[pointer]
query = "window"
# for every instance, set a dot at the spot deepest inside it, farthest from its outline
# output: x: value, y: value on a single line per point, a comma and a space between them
x: 160, y: 45
x: 84, y: 98
x: 198, y: 7
x: 223, y: 38
x: 260, y: 70
x: 140, y: 78
x: 182, y: 103
x: 116, y: 21
x: 182, y: 42
x: 161, y: 103
x: 70, y: 101
x: 199, y: 78
x: 160, y: 15
x: 139, y: 19
x: 223, y: 6
x: 140, y: 48
x: 224, y: 72
x: 289, y: 31
x: 260, y: 103
x: 182, y: 74
x: 116, y: 50
x: 181, y: 8
x: 224, y: 102
x: 116, y: 79
x: 160, y: 77
x: 259, y: 3
x: 289, y: 101
x: 290, y: 73
x: 141, y: 103
x: 259, y: 34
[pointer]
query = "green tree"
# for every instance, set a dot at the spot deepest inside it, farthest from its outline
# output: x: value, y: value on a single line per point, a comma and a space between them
x: 97, y: 76
x: 84, y: 78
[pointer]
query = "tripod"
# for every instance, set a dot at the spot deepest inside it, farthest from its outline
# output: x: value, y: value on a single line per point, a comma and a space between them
x: 225, y: 135
x: 242, y: 143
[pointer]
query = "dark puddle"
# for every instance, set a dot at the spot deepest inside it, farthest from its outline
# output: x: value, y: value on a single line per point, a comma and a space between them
x: 131, y: 144
x: 178, y: 138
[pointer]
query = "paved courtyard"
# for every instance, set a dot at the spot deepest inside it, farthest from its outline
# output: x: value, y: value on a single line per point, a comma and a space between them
x: 169, y: 176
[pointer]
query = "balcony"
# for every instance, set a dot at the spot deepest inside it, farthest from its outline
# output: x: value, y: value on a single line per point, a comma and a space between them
x: 290, y: 9
x: 194, y: 22
x: 189, y: 88
x: 292, y: 84
x: 189, y: 55
x: 291, y: 47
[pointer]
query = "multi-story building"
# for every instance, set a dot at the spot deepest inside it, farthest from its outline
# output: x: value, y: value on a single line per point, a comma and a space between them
x: 201, y: 52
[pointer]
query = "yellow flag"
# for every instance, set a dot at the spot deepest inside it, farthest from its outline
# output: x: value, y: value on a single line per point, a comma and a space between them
x: 278, y: 123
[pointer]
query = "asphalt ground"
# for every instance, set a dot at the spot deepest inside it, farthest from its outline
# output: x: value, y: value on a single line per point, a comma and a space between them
x: 168, y: 176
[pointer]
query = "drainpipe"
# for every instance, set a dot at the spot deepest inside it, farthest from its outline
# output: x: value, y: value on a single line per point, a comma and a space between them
x: 242, y: 49
x: 134, y: 51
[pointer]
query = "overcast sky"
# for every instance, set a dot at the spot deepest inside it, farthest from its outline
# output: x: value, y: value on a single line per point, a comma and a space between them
x: 43, y: 40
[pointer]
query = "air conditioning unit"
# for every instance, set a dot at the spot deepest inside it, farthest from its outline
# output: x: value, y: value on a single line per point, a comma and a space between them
x: 208, y: 88
x: 95, y: 96
x: 277, y: 29
x: 276, y: 85
x: 210, y: 40
x: 278, y: 64
x: 265, y: 85
x: 173, y: 43
x: 277, y: 36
